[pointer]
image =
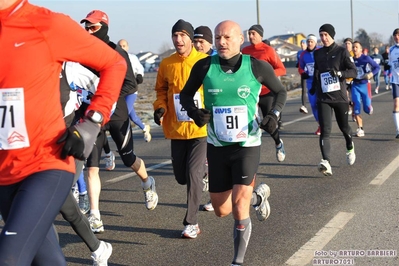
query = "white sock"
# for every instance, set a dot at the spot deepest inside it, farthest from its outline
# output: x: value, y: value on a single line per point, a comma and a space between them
x: 146, y: 185
x: 396, y: 120
x: 96, y: 213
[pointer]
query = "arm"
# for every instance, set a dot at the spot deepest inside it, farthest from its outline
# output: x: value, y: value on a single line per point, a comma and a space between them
x: 278, y: 66
x: 161, y: 88
x: 138, y: 68
x: 301, y: 65
x: 374, y: 65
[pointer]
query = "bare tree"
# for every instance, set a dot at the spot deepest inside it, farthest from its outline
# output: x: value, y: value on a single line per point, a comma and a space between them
x: 363, y: 38
x: 165, y: 47
x: 376, y: 40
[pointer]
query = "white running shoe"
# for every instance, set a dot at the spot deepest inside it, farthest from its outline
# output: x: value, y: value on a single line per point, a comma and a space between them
x: 350, y: 155
x: 102, y: 259
x: 280, y: 152
x: 96, y: 224
x: 75, y: 192
x: 325, y: 168
x: 263, y: 209
x: 191, y: 231
x: 147, y: 134
x: 151, y: 196
x: 303, y: 109
x: 208, y: 207
x: 109, y: 161
x: 360, y: 132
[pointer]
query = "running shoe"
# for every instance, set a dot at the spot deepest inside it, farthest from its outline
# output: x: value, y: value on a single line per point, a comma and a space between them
x: 84, y: 204
x: 325, y: 168
x: 109, y: 161
x: 360, y: 132
x: 102, y: 259
x: 96, y: 224
x: 371, y: 110
x: 75, y: 192
x: 205, y: 180
x: 303, y: 109
x: 263, y: 209
x: 318, y: 131
x: 350, y: 155
x: 376, y: 90
x: 147, y: 134
x: 208, y: 207
x: 151, y: 196
x: 191, y: 231
x: 280, y: 152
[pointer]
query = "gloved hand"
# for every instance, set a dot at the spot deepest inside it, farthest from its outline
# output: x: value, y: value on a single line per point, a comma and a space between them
x: 312, y: 90
x: 335, y: 73
x: 158, y: 114
x: 269, y: 123
x: 367, y: 76
x: 200, y: 116
x: 79, y: 139
x: 139, y: 79
x: 305, y: 75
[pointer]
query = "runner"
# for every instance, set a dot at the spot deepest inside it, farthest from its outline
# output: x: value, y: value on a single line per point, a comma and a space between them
x: 234, y: 134
x: 393, y: 62
x: 380, y: 61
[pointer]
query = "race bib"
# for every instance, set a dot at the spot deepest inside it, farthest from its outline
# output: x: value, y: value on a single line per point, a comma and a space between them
x: 181, y: 113
x: 329, y: 83
x: 360, y: 73
x: 310, y: 69
x: 13, y: 133
x: 231, y: 123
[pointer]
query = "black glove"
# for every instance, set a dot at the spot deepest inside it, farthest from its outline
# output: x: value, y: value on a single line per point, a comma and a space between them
x: 305, y: 75
x: 79, y: 139
x: 269, y: 123
x: 139, y: 79
x: 158, y: 114
x: 312, y: 90
x: 200, y: 116
x: 335, y: 73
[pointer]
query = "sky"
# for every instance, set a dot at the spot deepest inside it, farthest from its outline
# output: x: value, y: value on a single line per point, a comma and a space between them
x: 147, y: 24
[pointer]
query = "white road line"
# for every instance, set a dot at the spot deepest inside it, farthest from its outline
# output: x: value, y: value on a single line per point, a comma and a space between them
x: 306, y: 253
x: 386, y: 172
x: 123, y: 177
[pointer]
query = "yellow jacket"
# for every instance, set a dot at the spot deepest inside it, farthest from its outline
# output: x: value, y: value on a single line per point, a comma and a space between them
x: 172, y: 75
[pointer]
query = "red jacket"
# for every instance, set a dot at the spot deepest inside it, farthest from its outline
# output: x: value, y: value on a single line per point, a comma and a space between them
x: 267, y: 53
x: 34, y: 42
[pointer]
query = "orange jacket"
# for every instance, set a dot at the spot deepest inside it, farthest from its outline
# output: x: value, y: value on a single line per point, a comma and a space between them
x: 34, y: 42
x: 265, y: 52
x: 173, y: 73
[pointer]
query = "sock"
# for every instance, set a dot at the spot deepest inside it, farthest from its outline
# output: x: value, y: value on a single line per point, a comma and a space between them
x: 279, y: 145
x: 242, y: 233
x: 146, y: 185
x: 256, y: 199
x: 396, y: 120
x: 100, y: 249
x: 96, y: 213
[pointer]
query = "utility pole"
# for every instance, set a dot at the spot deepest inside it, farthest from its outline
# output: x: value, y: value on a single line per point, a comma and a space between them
x: 257, y: 12
x: 351, y: 19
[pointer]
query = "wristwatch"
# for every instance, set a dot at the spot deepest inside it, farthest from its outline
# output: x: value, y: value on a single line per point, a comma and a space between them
x: 95, y: 117
x: 277, y: 113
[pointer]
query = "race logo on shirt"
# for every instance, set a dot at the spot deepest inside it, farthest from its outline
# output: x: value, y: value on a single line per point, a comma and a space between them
x: 244, y: 91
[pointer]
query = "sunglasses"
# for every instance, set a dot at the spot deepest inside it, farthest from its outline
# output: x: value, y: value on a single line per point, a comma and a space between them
x: 93, y: 28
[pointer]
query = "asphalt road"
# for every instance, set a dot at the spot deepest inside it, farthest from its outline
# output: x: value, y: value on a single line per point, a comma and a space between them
x: 313, y: 217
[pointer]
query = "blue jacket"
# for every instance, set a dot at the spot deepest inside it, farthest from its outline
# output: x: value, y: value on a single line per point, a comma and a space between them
x: 365, y: 64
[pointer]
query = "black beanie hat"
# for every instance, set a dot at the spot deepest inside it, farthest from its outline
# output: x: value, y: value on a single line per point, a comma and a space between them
x: 203, y: 32
x: 185, y: 27
x: 396, y: 31
x: 329, y: 29
x: 258, y: 28
x: 348, y: 40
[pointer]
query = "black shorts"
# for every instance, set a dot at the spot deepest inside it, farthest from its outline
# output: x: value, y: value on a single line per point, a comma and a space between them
x: 231, y: 165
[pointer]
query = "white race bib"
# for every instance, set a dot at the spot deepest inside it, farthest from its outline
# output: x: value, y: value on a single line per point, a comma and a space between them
x: 360, y: 73
x: 13, y: 133
x: 310, y: 69
x: 231, y: 123
x: 181, y: 113
x: 329, y: 83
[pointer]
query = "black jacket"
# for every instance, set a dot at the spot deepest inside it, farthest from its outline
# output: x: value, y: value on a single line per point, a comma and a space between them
x: 337, y: 58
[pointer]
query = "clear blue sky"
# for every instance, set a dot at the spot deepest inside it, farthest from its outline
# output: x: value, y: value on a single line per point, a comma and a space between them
x: 146, y: 25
